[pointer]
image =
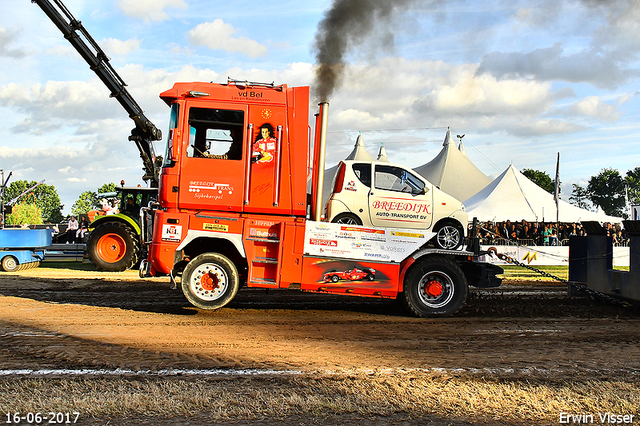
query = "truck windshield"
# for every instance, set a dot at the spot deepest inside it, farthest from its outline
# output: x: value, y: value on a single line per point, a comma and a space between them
x: 173, y: 123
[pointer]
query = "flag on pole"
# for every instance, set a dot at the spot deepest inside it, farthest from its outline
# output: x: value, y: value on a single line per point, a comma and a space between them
x: 556, y: 189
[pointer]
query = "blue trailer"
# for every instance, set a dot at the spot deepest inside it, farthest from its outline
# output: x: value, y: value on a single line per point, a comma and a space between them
x: 22, y: 248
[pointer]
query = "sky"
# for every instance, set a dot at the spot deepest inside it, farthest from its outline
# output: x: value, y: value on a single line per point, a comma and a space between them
x: 522, y: 80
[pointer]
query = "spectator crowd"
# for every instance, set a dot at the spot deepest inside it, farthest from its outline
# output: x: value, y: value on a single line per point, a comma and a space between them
x: 541, y: 233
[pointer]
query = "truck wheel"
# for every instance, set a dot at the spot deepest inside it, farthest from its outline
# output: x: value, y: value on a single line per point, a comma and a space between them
x: 435, y: 286
x: 10, y: 264
x: 448, y: 236
x: 347, y: 219
x: 112, y: 247
x: 210, y: 281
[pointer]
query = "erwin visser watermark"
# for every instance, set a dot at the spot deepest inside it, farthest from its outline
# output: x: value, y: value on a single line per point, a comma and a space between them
x: 600, y: 418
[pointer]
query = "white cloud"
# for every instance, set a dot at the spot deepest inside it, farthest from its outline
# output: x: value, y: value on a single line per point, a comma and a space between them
x: 217, y: 35
x: 468, y: 93
x: 595, y: 42
x: 6, y: 38
x: 540, y: 127
x: 67, y: 170
x: 149, y: 10
x: 347, y: 117
x: 601, y: 69
x: 593, y: 106
x: 178, y: 50
x: 113, y: 46
x: 57, y: 103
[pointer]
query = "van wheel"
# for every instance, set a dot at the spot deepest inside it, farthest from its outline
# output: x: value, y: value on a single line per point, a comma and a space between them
x: 210, y: 281
x: 347, y: 219
x: 435, y: 286
x: 448, y: 236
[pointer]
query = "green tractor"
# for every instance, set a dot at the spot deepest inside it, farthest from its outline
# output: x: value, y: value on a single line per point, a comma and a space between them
x: 114, y: 242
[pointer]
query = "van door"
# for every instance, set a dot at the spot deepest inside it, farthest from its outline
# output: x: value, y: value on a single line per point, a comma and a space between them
x: 400, y: 199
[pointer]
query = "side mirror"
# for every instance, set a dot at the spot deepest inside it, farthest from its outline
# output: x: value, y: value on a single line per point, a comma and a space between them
x: 174, y: 143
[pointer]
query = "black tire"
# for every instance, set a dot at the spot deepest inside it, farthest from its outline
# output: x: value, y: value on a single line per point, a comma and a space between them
x: 435, y: 286
x: 335, y: 278
x: 347, y: 219
x: 10, y: 264
x: 113, y: 247
x: 449, y: 236
x: 370, y: 277
x: 210, y: 281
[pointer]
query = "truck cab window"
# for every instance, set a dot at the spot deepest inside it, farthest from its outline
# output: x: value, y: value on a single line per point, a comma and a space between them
x: 215, y: 133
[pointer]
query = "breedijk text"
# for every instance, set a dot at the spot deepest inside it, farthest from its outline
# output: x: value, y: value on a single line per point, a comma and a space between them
x: 401, y: 207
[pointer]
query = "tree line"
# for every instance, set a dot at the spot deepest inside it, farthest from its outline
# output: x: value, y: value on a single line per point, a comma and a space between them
x: 42, y: 204
x: 608, y: 190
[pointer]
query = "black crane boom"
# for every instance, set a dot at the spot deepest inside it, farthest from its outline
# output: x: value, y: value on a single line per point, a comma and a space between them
x: 145, y: 131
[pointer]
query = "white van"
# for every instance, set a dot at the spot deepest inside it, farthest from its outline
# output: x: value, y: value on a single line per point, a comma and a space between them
x: 378, y: 193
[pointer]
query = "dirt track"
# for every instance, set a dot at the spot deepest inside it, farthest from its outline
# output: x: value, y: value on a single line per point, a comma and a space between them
x: 66, y: 322
x: 76, y: 321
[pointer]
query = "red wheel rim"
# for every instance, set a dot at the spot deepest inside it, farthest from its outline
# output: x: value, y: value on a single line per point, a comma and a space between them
x: 111, y: 248
x: 434, y: 288
x: 209, y: 281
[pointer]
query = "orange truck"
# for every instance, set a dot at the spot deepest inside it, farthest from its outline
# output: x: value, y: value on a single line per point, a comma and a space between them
x: 233, y: 210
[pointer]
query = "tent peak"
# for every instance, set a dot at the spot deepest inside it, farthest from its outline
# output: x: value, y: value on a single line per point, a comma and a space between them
x: 448, y: 140
x: 461, y: 149
x: 382, y: 154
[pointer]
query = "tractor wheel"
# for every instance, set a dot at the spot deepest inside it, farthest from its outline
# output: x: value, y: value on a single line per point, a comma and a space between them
x: 210, y: 281
x: 10, y: 264
x: 435, y: 286
x: 113, y: 247
x: 347, y: 219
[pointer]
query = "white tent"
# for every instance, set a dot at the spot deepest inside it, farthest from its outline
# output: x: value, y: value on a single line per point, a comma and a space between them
x: 453, y: 172
x: 512, y: 196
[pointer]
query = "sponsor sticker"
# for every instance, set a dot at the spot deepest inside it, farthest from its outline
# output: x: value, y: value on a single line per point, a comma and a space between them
x: 171, y: 232
x: 262, y: 233
x: 365, y: 230
x: 406, y: 234
x: 215, y: 227
x: 350, y: 186
x: 321, y: 242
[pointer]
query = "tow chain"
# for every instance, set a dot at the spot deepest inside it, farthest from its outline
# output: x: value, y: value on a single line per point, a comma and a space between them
x: 576, y: 286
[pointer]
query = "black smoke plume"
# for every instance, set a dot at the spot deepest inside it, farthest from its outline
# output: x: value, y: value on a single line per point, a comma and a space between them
x: 347, y: 25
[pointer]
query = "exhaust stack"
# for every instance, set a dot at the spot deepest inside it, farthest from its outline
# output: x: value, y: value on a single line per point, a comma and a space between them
x: 319, y: 154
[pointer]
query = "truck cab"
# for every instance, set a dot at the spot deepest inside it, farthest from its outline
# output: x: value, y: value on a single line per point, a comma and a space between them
x: 232, y: 150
